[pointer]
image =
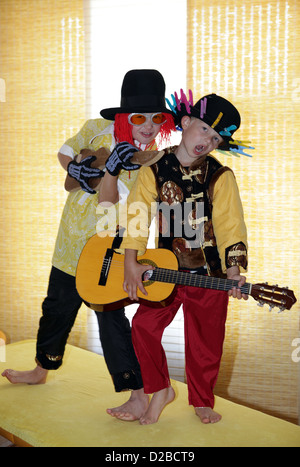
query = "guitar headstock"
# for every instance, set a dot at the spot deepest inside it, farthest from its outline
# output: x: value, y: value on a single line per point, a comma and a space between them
x: 274, y: 296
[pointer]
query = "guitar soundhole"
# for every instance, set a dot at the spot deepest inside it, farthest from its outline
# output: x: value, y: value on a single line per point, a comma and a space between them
x: 147, y: 274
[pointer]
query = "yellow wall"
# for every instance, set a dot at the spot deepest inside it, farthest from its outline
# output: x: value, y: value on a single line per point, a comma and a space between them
x: 247, y: 51
x: 42, y: 64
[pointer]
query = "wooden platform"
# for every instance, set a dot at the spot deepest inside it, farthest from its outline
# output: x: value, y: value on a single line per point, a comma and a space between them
x: 69, y: 410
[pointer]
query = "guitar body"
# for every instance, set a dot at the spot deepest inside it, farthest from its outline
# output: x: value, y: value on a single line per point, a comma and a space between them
x: 111, y: 295
x: 100, y: 277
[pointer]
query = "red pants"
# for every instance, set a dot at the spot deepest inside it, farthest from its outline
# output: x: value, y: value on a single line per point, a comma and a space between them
x: 205, y: 314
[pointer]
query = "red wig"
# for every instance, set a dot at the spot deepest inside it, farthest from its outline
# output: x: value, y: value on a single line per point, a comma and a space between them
x: 123, y: 129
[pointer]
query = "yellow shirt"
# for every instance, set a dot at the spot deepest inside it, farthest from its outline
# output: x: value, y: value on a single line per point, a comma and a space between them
x: 79, y: 217
x: 227, y: 213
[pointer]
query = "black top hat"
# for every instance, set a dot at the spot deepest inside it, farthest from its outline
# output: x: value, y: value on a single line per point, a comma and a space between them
x: 219, y: 114
x: 214, y: 110
x: 142, y: 91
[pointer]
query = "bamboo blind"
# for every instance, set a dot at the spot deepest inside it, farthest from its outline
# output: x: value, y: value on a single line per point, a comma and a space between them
x: 247, y: 51
x: 42, y: 67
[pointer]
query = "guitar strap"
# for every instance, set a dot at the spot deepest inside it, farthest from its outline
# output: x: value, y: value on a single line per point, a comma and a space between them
x: 118, y: 238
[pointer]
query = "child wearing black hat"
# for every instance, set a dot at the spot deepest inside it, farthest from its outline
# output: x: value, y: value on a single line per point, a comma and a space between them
x: 134, y: 125
x: 208, y: 236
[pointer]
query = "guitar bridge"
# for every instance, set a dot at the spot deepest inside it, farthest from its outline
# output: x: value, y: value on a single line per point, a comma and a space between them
x: 106, y: 266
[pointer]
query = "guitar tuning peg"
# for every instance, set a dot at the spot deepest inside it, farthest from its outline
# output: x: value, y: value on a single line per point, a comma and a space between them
x: 260, y: 304
x: 271, y: 307
x: 281, y: 309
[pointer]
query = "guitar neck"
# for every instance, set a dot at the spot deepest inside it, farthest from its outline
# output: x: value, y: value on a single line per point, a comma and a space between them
x: 196, y: 280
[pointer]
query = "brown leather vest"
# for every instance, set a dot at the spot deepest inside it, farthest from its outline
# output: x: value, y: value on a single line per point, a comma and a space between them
x: 185, y: 210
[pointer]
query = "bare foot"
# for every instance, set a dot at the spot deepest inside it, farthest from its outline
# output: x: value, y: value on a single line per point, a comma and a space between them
x: 158, y: 402
x: 133, y: 409
x: 207, y: 415
x: 36, y: 376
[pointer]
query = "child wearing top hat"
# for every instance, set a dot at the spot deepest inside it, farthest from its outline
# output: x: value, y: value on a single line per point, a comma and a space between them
x: 134, y: 125
x: 215, y: 244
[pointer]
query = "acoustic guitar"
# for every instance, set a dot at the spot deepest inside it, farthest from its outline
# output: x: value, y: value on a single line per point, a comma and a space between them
x: 100, y: 275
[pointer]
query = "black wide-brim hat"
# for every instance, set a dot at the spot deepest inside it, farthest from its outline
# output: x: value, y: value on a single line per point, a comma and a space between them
x: 142, y: 91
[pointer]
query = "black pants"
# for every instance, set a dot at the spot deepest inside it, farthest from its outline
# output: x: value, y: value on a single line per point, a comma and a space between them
x: 60, y: 309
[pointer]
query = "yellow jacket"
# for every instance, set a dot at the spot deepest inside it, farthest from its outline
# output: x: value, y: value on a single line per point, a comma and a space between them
x: 227, y: 217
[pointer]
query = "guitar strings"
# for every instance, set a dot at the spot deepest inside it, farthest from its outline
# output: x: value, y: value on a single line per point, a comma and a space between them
x: 183, y: 278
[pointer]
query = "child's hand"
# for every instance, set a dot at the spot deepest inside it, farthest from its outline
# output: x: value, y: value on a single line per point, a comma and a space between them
x: 83, y: 172
x: 120, y: 158
x: 234, y: 274
x: 133, y: 273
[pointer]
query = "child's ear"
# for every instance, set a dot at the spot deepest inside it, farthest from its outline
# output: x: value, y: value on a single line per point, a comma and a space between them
x: 185, y: 122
